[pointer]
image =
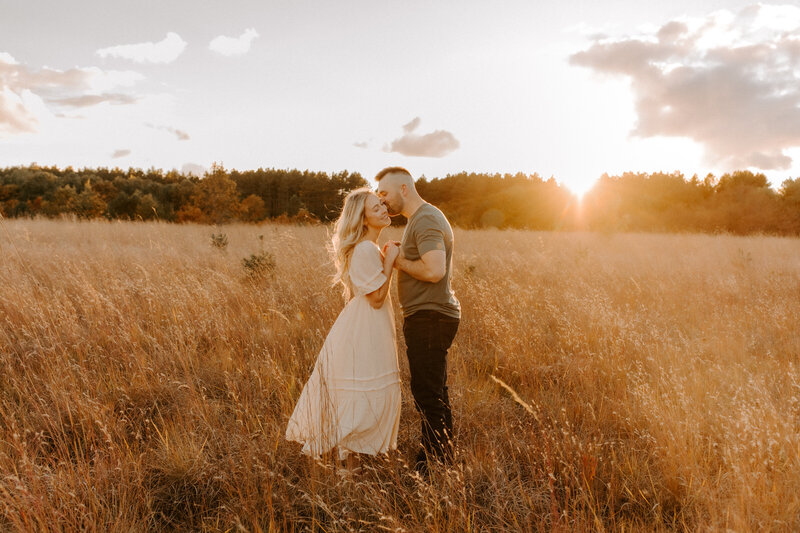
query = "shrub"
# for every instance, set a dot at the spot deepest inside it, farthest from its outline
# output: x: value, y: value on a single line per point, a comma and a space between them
x: 219, y: 241
x: 259, y: 266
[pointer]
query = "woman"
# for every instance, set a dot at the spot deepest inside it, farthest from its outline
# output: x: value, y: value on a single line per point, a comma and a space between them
x: 352, y: 399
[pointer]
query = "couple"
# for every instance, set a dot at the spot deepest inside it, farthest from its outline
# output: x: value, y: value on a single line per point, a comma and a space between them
x: 351, y: 402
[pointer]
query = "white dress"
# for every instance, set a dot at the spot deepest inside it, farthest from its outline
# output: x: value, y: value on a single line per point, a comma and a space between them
x: 352, y: 399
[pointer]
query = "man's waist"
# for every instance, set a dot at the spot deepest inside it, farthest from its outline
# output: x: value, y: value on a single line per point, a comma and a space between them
x: 432, y: 309
x: 428, y: 313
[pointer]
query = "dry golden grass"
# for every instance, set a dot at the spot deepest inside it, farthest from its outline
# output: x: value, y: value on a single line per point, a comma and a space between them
x: 146, y: 382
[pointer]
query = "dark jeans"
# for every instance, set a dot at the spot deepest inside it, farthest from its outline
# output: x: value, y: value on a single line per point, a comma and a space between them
x: 429, y: 335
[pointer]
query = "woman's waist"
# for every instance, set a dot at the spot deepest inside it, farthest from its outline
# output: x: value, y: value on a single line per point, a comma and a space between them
x: 342, y: 380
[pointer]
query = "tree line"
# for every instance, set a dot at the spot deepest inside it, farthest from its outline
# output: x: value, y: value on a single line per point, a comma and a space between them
x: 218, y: 197
x: 741, y: 202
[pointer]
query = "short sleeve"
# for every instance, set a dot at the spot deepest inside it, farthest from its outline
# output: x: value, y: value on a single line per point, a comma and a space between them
x: 430, y: 236
x: 366, y: 268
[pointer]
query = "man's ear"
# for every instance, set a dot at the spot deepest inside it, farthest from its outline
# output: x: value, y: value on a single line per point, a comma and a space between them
x: 403, y: 189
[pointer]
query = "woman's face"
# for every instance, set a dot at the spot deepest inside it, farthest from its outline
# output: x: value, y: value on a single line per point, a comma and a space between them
x: 375, y: 213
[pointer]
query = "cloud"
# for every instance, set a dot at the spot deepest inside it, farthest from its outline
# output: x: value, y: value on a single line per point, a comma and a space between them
x: 729, y: 81
x: 180, y: 134
x: 120, y: 153
x: 25, y: 92
x: 94, y: 99
x: 165, y: 51
x: 233, y: 46
x: 438, y: 143
x: 15, y: 117
x: 363, y: 144
x: 106, y: 80
x: 411, y: 126
x: 194, y: 169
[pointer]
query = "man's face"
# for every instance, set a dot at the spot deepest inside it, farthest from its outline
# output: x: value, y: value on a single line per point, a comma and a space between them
x: 390, y: 192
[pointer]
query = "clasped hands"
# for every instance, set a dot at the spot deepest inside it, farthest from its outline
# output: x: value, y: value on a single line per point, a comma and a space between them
x: 391, y: 251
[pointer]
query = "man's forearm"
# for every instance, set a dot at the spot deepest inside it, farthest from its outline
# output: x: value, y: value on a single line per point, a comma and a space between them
x: 416, y: 269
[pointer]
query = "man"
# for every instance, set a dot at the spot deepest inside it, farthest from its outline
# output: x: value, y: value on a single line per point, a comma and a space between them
x: 431, y: 312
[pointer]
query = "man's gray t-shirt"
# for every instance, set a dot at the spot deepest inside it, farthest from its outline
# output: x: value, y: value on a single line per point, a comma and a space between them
x: 427, y: 230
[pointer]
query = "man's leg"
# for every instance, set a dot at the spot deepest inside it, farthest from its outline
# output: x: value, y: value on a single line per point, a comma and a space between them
x: 448, y: 419
x: 428, y: 336
x: 447, y: 329
x: 418, y: 330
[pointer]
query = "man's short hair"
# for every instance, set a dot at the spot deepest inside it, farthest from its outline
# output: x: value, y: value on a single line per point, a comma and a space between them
x: 392, y: 170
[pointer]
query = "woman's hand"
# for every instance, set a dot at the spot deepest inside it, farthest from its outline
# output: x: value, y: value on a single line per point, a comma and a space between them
x: 390, y: 252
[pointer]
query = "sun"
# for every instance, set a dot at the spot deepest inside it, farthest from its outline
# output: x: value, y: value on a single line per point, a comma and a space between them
x: 580, y: 188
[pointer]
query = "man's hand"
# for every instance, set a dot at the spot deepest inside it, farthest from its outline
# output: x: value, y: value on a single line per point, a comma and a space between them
x: 396, y: 243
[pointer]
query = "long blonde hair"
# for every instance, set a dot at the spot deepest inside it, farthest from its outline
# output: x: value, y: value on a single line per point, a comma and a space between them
x: 348, y: 230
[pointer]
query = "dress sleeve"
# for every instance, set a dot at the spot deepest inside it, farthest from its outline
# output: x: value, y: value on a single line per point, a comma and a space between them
x: 366, y: 268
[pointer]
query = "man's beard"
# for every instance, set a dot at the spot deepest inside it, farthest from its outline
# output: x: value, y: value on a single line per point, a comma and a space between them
x: 392, y: 211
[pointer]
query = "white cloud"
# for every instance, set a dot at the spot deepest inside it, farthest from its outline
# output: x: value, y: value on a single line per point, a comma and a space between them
x: 728, y: 81
x: 105, y: 80
x: 7, y: 58
x: 165, y: 51
x: 777, y: 18
x: 123, y: 152
x: 233, y: 46
x: 15, y: 116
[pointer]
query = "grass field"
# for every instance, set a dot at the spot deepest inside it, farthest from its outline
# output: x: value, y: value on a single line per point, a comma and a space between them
x: 146, y: 381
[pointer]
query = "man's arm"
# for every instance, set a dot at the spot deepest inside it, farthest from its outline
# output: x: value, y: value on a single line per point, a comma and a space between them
x: 431, y: 267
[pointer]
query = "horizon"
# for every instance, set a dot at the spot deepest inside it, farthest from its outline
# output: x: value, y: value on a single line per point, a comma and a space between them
x: 371, y: 182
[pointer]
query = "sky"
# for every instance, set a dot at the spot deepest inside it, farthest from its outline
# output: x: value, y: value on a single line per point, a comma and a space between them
x: 568, y: 89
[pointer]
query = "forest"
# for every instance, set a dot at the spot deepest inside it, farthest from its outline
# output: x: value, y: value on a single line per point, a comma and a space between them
x: 740, y: 202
